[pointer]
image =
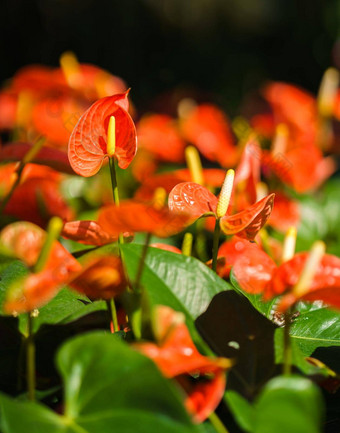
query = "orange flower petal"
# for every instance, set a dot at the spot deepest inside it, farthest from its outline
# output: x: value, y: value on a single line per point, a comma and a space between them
x: 88, y: 142
x: 102, y: 278
x: 192, y: 198
x: 247, y: 223
x: 133, y: 216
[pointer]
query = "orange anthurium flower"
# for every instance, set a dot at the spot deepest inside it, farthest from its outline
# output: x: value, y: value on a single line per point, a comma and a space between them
x: 251, y: 265
x: 134, y: 216
x: 88, y: 145
x: 102, y: 278
x: 25, y: 241
x: 158, y: 134
x: 8, y: 110
x: 301, y: 168
x: 207, y: 127
x: 37, y: 198
x: 213, y: 177
x: 198, y: 201
x: 177, y: 357
x: 88, y: 233
x: 285, y: 214
x: 293, y: 106
x: 325, y: 285
x: 166, y: 247
x: 55, y: 118
x: 54, y: 158
x: 38, y: 79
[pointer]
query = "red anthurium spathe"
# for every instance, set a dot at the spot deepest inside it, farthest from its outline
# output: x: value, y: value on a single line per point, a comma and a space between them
x: 207, y: 127
x: 88, y: 233
x: 25, y: 240
x: 285, y: 214
x: 325, y: 285
x: 133, y: 216
x: 166, y: 247
x: 252, y: 267
x: 198, y: 201
x: 158, y: 134
x: 88, y: 145
x: 177, y: 357
x: 102, y: 278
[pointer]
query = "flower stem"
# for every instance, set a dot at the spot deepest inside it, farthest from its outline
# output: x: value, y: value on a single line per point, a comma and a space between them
x: 287, y: 346
x: 217, y: 423
x: 30, y: 358
x: 142, y: 261
x: 215, y: 244
x: 111, y: 307
x: 111, y: 303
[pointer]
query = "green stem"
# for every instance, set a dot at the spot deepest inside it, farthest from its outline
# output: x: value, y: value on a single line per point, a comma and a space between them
x: 200, y: 241
x: 115, y: 192
x: 30, y: 358
x: 287, y: 346
x: 111, y: 307
x: 142, y: 261
x: 54, y: 228
x: 217, y: 423
x: 216, y: 239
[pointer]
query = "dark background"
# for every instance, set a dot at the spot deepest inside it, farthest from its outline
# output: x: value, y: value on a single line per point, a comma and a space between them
x: 226, y: 48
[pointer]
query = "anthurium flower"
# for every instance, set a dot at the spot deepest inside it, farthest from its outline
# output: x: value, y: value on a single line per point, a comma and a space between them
x: 166, y: 247
x: 285, y: 214
x: 37, y: 197
x: 88, y: 233
x: 207, y: 127
x: 54, y: 158
x: 198, y: 201
x: 325, y: 285
x: 134, y: 216
x: 251, y: 265
x: 213, y: 177
x: 102, y: 278
x: 91, y: 142
x: 25, y: 240
x: 177, y: 357
x: 159, y: 135
x: 55, y: 118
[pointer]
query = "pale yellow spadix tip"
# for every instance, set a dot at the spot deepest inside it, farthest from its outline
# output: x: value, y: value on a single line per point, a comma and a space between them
x: 311, y: 266
x: 279, y: 145
x: 111, y: 137
x: 194, y: 164
x: 225, y: 194
x: 159, y: 198
x: 289, y: 242
x: 71, y: 69
x: 328, y: 91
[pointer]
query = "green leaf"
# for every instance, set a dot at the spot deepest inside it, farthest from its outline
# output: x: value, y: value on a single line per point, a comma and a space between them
x: 298, y: 359
x: 261, y: 306
x: 65, y: 307
x: 316, y: 326
x: 108, y: 387
x: 233, y: 328
x: 241, y: 409
x: 180, y: 282
x: 289, y: 404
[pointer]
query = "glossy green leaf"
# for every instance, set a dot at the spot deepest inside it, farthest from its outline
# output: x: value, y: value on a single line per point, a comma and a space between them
x: 233, y: 328
x: 243, y: 412
x: 108, y: 387
x: 316, y: 326
x: 298, y: 359
x: 65, y: 307
x: 256, y: 300
x: 183, y: 283
x: 289, y: 404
